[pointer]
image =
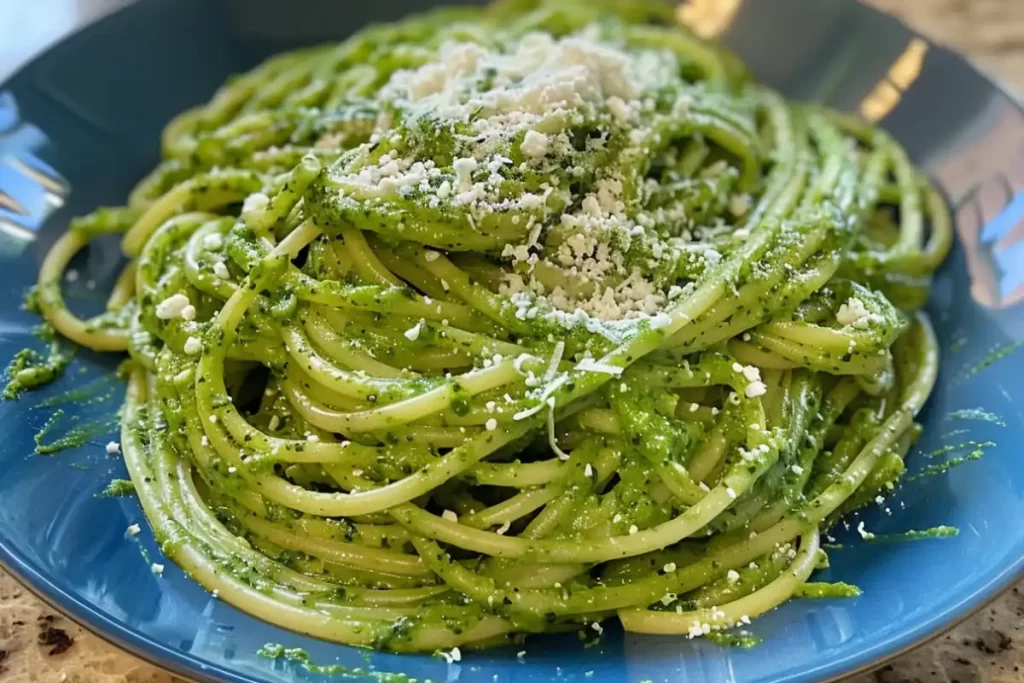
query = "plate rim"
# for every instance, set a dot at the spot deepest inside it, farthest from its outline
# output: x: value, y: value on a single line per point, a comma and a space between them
x: 193, y: 669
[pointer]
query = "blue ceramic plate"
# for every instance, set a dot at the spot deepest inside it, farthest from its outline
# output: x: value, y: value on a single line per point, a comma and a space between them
x: 80, y: 125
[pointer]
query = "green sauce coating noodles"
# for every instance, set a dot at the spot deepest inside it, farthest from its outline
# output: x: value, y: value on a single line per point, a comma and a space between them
x: 511, y: 320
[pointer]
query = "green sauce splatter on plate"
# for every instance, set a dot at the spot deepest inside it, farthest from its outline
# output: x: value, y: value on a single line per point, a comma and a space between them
x: 118, y: 488
x: 302, y: 658
x: 976, y: 414
x: 31, y: 369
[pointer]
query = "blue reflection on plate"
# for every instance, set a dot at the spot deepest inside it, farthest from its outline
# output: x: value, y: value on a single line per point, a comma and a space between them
x: 80, y: 125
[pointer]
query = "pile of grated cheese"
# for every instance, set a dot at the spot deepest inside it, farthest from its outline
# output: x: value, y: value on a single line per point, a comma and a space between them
x: 512, y: 110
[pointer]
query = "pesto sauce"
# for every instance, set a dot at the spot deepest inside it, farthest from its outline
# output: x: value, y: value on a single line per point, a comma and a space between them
x: 946, y: 450
x: 820, y: 591
x: 167, y: 415
x: 975, y: 454
x: 941, y: 531
x: 301, y: 657
x: 976, y: 414
x: 993, y: 357
x: 75, y: 437
x: 742, y: 639
x: 31, y: 301
x: 97, y: 391
x: 30, y: 369
x: 118, y: 488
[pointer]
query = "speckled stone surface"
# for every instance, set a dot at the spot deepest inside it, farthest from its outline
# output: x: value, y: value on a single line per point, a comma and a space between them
x: 36, y: 644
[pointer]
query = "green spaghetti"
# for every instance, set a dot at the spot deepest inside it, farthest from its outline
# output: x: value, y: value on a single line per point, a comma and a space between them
x: 513, y: 320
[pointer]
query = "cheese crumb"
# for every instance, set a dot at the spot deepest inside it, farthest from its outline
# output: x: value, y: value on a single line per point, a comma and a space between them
x: 113, y: 447
x: 413, y: 333
x: 464, y: 168
x: 221, y: 270
x: 732, y: 576
x: 669, y: 568
x: 157, y: 568
x: 172, y: 307
x: 193, y: 346
x: 450, y: 516
x: 256, y: 202
x: 755, y: 389
x: 491, y: 424
x: 213, y: 241
x: 852, y: 313
x: 535, y: 144
x: 133, y: 529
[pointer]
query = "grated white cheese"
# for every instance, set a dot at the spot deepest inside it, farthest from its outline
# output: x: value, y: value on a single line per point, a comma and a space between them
x: 213, y: 242
x: 255, y: 202
x: 853, y: 313
x: 464, y: 168
x: 113, y: 447
x: 193, y: 346
x: 535, y: 144
x: 172, y: 307
x: 413, y: 333
x: 591, y: 365
x: 755, y: 389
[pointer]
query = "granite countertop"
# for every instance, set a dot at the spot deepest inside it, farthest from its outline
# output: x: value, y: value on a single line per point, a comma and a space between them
x: 37, y: 644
